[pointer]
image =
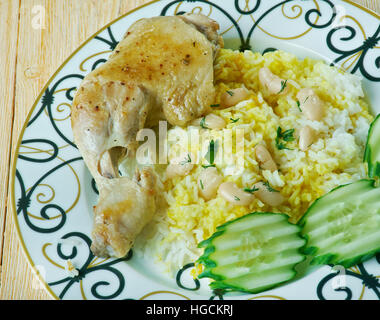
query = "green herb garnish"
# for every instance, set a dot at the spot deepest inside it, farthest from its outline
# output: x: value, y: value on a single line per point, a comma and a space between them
x: 215, y: 105
x: 284, y: 136
x: 212, y: 149
x: 187, y: 160
x: 283, y: 85
x: 299, y: 103
x: 234, y: 120
x: 268, y: 186
x: 208, y: 166
x: 251, y: 190
x: 203, y: 123
x: 230, y: 93
x: 236, y: 198
x: 288, y: 135
x: 201, y: 183
x: 298, y: 106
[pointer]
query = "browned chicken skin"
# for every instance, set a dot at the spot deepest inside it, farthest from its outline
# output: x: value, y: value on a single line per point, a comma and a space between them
x: 162, y: 69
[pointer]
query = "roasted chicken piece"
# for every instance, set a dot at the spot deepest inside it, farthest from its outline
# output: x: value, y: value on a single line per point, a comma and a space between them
x: 162, y: 69
x: 124, y: 207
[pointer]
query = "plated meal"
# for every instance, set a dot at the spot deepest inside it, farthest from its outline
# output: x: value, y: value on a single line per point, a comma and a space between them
x: 268, y: 157
x: 201, y: 150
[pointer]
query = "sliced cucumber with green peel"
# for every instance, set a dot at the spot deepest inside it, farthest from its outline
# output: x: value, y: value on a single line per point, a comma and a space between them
x: 253, y: 253
x: 343, y: 226
x: 372, y: 150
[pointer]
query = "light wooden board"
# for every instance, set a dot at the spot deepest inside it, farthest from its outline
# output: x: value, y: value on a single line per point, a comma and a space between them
x: 8, y: 37
x: 28, y: 59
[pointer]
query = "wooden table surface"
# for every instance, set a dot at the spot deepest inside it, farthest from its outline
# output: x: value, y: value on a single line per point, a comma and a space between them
x: 28, y: 59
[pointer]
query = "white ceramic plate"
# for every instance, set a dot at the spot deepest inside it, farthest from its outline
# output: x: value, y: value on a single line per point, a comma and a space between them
x: 53, y: 192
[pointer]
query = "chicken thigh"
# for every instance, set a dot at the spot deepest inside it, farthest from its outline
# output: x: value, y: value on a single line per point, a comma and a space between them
x: 161, y: 70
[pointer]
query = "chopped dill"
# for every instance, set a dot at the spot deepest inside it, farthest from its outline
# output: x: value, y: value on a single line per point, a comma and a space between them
x: 268, y: 186
x: 203, y: 123
x: 299, y: 106
x: 283, y: 85
x: 254, y: 189
x: 187, y: 160
x: 283, y: 137
x: 211, y: 152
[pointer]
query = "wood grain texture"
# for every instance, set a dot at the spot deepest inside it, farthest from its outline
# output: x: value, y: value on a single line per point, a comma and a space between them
x: 31, y: 57
x: 374, y: 5
x: 8, y: 13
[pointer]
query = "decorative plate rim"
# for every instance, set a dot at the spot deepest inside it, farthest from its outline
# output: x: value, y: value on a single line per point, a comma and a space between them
x: 37, y: 99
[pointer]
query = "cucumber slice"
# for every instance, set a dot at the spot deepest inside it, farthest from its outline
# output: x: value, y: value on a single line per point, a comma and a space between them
x: 372, y: 149
x: 343, y: 226
x: 323, y: 204
x: 253, y: 253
